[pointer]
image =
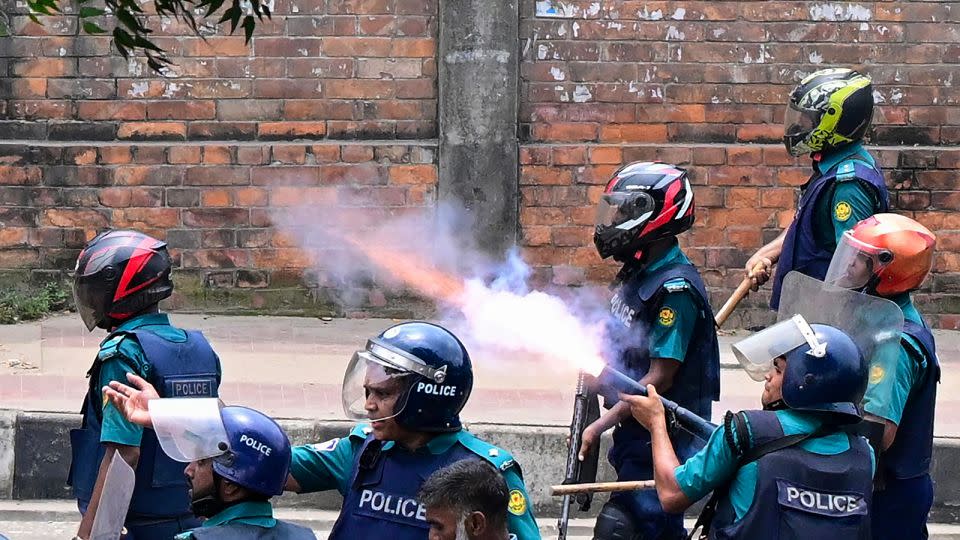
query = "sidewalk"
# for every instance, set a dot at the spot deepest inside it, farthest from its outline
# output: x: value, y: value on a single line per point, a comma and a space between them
x: 292, y: 368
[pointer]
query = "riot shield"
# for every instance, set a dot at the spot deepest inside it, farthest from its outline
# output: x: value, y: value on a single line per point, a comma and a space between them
x: 873, y: 323
x: 114, y: 500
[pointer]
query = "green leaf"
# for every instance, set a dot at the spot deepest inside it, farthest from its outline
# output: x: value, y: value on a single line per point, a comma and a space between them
x: 128, y: 20
x: 34, y: 18
x: 228, y: 14
x: 249, y: 23
x: 92, y: 28
x: 145, y: 43
x: 213, y: 6
x: 87, y: 12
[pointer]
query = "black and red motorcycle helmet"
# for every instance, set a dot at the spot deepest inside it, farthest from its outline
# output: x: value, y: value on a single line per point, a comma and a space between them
x: 642, y: 203
x: 119, y: 274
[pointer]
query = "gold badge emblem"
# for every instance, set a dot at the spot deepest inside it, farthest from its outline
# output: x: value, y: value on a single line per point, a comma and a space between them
x: 518, y: 503
x: 667, y: 317
x: 876, y: 374
x: 843, y: 211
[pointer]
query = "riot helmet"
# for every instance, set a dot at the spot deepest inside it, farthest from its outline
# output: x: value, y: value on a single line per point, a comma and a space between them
x: 247, y: 447
x: 119, y: 274
x: 423, y: 365
x: 885, y: 254
x: 825, y: 370
x: 642, y: 203
x: 830, y: 108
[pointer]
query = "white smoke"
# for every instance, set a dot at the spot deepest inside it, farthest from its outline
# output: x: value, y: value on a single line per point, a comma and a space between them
x: 498, y: 311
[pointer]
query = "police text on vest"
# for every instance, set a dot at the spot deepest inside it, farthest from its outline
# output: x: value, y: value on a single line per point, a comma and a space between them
x: 392, y: 504
x: 819, y: 502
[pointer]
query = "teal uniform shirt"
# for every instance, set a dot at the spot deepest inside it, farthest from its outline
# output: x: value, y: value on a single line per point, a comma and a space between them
x: 329, y: 465
x: 890, y: 386
x: 849, y: 202
x: 715, y: 465
x: 120, y: 355
x: 259, y: 514
x: 677, y: 313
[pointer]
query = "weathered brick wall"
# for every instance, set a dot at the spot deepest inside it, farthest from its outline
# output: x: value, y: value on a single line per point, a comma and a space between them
x: 704, y: 85
x: 96, y: 141
x: 213, y: 204
x: 320, y: 68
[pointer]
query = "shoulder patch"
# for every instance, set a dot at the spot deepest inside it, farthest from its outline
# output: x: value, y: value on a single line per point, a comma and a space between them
x: 328, y: 446
x: 846, y: 171
x: 877, y: 373
x: 842, y: 211
x: 677, y: 285
x: 666, y: 316
x: 110, y: 347
x: 496, y: 456
x: 360, y: 431
x: 518, y: 503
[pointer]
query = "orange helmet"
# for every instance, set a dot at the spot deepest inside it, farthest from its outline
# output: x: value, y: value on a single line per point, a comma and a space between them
x: 886, y: 254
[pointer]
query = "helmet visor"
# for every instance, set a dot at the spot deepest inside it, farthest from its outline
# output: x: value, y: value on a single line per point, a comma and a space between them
x: 854, y: 263
x: 797, y: 122
x: 374, y: 389
x: 624, y: 211
x: 88, y: 314
x: 189, y: 429
x: 757, y: 352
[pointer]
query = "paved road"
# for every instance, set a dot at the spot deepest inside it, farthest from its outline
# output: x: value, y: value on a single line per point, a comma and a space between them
x: 292, y: 368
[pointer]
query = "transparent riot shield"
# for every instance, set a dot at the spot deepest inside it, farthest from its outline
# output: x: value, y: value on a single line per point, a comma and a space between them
x: 873, y: 323
x: 114, y: 500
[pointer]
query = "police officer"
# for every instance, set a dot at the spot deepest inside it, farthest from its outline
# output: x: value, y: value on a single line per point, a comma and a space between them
x: 889, y: 255
x: 119, y: 279
x: 827, y: 116
x: 466, y: 500
x: 661, y: 333
x: 410, y: 383
x: 238, y: 459
x: 789, y: 470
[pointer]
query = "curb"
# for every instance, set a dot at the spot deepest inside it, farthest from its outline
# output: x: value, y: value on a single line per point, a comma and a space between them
x: 35, y: 459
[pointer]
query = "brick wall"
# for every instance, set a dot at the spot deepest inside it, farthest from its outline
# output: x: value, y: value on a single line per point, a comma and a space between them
x: 704, y: 85
x: 340, y: 69
x: 94, y: 140
x: 199, y: 157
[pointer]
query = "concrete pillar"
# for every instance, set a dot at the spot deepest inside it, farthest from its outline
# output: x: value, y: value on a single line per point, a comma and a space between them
x: 478, y: 82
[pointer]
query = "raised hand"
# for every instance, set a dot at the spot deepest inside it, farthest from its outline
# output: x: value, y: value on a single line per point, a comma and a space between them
x: 132, y: 400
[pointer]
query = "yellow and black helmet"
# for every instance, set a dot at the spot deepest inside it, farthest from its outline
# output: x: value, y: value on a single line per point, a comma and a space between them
x: 828, y: 109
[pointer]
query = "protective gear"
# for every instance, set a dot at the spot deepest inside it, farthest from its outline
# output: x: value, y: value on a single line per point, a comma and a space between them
x: 912, y: 450
x: 697, y: 382
x: 801, y: 251
x: 382, y: 498
x: 424, y: 364
x: 825, y: 371
x: 115, y: 497
x: 830, y: 108
x: 634, y: 309
x: 189, y: 369
x: 803, y: 494
x: 886, y: 254
x: 873, y: 323
x: 613, y: 523
x: 642, y: 203
x: 119, y: 274
x: 248, y: 448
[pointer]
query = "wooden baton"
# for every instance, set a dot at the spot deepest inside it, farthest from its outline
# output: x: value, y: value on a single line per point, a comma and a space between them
x: 739, y: 294
x: 601, y: 487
